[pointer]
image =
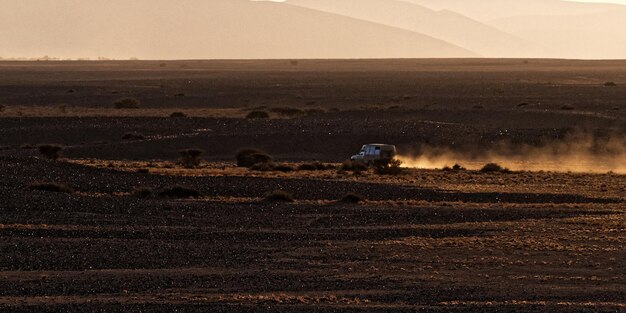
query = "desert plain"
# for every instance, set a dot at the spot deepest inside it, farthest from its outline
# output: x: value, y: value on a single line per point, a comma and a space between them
x: 546, y: 232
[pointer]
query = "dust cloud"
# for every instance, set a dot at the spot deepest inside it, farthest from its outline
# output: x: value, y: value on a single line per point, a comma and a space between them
x: 579, y: 152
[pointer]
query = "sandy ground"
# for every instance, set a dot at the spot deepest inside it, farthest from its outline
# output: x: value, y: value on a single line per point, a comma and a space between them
x: 428, y: 240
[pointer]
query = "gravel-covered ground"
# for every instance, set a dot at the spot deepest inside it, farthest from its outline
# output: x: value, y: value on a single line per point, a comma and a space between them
x: 423, y: 241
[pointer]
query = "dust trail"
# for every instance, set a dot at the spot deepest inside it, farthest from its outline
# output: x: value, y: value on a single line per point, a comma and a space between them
x: 577, y: 152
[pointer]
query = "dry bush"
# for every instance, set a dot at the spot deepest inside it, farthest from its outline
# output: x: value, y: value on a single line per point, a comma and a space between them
x: 307, y: 167
x: 257, y: 115
x: 250, y: 157
x: 283, y: 168
x: 388, y: 167
x: 127, y: 103
x: 190, y: 158
x: 142, y: 193
x: 179, y: 193
x: 455, y: 168
x: 610, y: 84
x: 271, y: 167
x: 567, y: 107
x: 315, y: 166
x: 50, y: 187
x: 133, y: 136
x: 178, y: 115
x: 287, y: 111
x: 352, y: 198
x: 2, y: 107
x: 523, y: 104
x: 314, y: 111
x: 458, y: 167
x: 263, y: 167
x: 353, y: 166
x: 279, y: 196
x: 51, y: 152
x: 494, y: 168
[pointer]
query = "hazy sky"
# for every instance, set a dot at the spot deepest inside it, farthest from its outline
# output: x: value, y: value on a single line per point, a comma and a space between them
x: 214, y: 29
x: 606, y: 1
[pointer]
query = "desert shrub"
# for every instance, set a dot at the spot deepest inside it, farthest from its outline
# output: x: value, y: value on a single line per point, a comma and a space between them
x: 478, y: 107
x: 127, y: 103
x: 352, y: 198
x: 257, y: 115
x: 615, y: 108
x: 314, y: 111
x: 179, y: 193
x: 50, y: 187
x: 455, y: 168
x: 71, y: 91
x: 178, y: 115
x: 294, y: 63
x: 314, y: 166
x: 279, y: 196
x: 142, y: 193
x: 283, y: 168
x: 249, y: 157
x: 387, y: 167
x: 133, y: 136
x: 349, y: 165
x: 307, y: 167
x: 143, y: 171
x: 263, y: 167
x: 51, y: 152
x: 567, y: 107
x: 458, y: 167
x: 63, y: 108
x: 610, y: 84
x: 190, y: 158
x: 493, y: 167
x: 271, y: 167
x: 179, y: 95
x: 523, y: 104
x: 2, y: 108
x: 287, y: 111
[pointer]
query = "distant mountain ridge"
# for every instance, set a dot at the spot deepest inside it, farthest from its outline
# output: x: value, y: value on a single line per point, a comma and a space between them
x: 216, y: 29
x: 487, y: 10
x: 560, y: 29
x: 447, y: 25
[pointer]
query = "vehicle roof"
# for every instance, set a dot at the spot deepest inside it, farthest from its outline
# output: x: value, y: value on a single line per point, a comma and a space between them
x: 379, y: 145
